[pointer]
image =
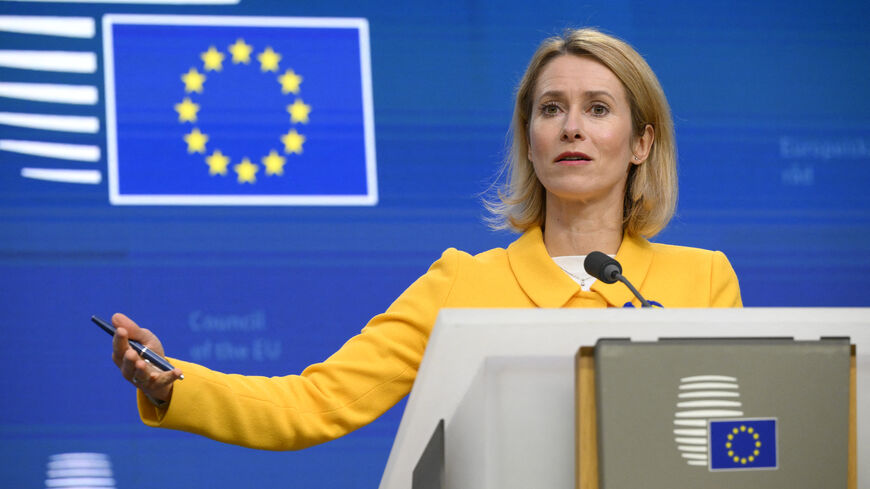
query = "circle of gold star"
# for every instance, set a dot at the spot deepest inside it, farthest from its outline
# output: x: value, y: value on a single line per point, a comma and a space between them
x: 219, y: 164
x: 745, y: 457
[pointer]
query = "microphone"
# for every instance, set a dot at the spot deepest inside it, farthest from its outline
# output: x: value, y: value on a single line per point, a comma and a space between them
x: 609, y: 271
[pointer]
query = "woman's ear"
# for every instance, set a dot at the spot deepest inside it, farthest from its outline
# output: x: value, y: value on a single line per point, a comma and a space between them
x: 642, y: 145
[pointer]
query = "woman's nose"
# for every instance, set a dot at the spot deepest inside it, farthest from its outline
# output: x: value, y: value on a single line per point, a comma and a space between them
x: 572, y: 129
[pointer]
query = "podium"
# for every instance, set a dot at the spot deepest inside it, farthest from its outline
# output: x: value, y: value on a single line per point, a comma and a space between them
x: 503, y: 382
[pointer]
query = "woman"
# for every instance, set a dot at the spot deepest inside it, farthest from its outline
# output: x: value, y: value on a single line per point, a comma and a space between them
x: 592, y: 167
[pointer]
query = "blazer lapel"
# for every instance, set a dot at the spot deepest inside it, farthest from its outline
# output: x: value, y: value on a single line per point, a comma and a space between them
x: 538, y: 275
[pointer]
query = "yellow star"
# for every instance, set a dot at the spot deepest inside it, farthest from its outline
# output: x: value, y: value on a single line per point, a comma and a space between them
x: 269, y: 60
x: 187, y: 110
x: 293, y: 142
x: 290, y: 82
x: 196, y: 141
x: 299, y: 111
x: 217, y: 163
x: 241, y: 52
x: 193, y: 81
x: 246, y: 171
x: 212, y: 59
x: 274, y: 163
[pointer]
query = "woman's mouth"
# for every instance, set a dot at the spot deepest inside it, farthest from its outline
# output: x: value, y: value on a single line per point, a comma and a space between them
x: 572, y: 158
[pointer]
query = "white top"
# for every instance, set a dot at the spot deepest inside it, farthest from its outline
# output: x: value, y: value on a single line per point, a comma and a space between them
x: 573, y: 266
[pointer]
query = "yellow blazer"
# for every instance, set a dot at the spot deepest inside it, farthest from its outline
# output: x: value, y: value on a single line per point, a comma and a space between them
x: 377, y: 367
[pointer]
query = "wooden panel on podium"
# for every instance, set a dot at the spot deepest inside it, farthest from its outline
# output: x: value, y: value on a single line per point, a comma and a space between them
x: 853, y: 423
x: 586, y: 468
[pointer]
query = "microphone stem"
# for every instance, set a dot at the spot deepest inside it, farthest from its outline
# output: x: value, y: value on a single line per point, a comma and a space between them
x: 634, y: 291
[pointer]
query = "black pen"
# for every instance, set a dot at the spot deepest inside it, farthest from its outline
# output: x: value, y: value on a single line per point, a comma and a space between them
x: 144, y: 352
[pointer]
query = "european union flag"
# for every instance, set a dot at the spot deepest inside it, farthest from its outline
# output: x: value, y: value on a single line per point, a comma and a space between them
x: 743, y: 444
x: 238, y: 110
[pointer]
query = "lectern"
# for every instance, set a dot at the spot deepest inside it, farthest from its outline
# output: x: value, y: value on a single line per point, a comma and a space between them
x: 503, y: 382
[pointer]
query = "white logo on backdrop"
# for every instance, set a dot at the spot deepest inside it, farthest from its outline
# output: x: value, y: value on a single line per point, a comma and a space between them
x: 81, y: 469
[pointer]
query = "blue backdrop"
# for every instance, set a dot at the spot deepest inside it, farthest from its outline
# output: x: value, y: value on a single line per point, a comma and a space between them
x: 771, y: 111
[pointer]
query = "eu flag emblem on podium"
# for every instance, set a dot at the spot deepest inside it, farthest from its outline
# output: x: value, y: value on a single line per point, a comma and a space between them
x: 210, y: 110
x: 743, y: 444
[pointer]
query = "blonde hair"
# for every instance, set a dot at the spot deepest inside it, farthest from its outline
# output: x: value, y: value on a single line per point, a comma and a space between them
x: 651, y: 188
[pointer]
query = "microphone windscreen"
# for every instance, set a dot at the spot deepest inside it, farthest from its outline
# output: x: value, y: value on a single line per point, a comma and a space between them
x: 602, y: 267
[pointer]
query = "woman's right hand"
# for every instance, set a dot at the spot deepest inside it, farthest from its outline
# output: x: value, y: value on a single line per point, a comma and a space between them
x: 151, y: 380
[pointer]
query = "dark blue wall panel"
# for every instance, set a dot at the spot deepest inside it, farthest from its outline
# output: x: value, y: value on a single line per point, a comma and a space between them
x: 771, y: 110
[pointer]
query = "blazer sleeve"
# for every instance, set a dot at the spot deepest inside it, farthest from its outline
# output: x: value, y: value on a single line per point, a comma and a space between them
x: 365, y: 377
x: 724, y: 287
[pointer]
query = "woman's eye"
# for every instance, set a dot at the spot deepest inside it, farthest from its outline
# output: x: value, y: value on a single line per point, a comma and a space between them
x: 599, y: 110
x: 549, y: 109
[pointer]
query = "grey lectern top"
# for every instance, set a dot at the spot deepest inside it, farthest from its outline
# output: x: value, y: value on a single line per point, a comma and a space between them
x: 722, y: 413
